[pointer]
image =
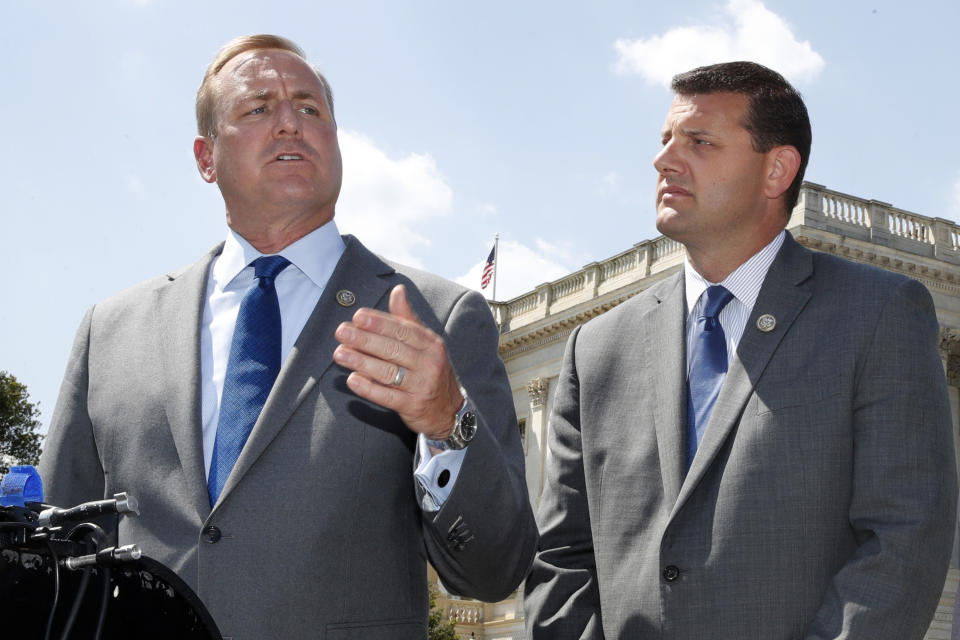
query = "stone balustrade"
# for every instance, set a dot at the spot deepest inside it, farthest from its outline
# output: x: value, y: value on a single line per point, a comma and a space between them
x: 877, y: 222
x: 818, y: 208
x: 462, y: 611
x: 848, y: 210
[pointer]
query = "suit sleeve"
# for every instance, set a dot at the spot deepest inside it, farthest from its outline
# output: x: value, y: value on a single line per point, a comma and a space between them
x: 562, y: 598
x: 903, y: 505
x: 482, y: 540
x: 69, y: 465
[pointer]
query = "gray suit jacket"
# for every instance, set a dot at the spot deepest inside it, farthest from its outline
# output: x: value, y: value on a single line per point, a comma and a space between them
x: 320, y: 533
x: 820, y: 503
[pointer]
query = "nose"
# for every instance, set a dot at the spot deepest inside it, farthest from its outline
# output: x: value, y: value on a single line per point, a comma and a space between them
x: 666, y: 161
x: 287, y: 121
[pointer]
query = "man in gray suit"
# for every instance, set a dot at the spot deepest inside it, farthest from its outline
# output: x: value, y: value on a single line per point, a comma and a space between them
x: 316, y: 526
x: 759, y: 446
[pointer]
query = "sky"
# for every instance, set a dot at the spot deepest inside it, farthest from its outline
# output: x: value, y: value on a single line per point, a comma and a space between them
x: 537, y: 121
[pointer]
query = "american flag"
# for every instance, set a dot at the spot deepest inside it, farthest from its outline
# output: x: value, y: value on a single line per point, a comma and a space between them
x: 488, y: 268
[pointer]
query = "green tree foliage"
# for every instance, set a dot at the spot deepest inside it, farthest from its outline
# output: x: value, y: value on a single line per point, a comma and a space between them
x: 19, y: 424
x: 437, y: 627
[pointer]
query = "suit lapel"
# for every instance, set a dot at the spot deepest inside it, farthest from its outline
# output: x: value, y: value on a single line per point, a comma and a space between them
x: 359, y: 272
x: 179, y: 316
x: 665, y: 342
x: 783, y: 295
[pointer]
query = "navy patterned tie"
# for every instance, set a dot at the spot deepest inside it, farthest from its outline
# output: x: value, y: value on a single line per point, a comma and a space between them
x: 251, y: 370
x: 708, y: 366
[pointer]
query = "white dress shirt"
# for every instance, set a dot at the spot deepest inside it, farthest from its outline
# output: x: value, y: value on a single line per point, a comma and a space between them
x: 744, y: 283
x: 313, y: 259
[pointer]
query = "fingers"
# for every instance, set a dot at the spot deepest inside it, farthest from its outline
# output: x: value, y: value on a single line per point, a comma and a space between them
x: 376, y: 344
x: 383, y: 395
x: 381, y: 370
x: 390, y: 348
x: 400, y: 306
x: 400, y: 325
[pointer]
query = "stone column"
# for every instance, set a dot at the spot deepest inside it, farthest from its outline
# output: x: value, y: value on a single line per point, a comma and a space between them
x: 879, y: 214
x: 643, y: 257
x: 538, y: 389
x: 946, y: 240
x: 544, y: 300
x: 809, y: 205
x: 943, y: 234
x: 592, y: 285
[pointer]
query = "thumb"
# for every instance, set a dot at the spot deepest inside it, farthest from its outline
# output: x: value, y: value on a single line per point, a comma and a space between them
x: 400, y: 306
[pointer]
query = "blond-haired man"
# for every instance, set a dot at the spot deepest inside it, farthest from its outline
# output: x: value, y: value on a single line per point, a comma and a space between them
x: 297, y: 515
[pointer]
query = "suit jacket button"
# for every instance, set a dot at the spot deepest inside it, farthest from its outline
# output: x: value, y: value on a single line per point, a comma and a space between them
x: 670, y: 573
x: 211, y: 534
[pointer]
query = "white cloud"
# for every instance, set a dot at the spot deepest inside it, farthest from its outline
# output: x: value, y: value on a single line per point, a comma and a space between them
x: 551, y: 250
x: 387, y: 201
x: 520, y: 268
x: 487, y: 209
x: 747, y: 31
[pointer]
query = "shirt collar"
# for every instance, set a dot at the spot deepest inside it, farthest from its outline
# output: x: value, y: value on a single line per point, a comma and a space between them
x: 745, y: 281
x: 315, y: 254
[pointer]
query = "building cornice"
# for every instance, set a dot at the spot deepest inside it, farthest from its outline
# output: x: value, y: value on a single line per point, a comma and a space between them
x: 518, y: 342
x: 866, y: 231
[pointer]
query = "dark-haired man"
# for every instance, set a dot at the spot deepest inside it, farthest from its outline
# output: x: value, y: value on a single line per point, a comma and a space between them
x: 266, y: 405
x: 759, y: 446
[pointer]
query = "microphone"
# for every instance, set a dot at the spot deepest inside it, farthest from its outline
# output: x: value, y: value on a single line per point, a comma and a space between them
x: 108, y: 556
x: 120, y: 503
x: 21, y: 485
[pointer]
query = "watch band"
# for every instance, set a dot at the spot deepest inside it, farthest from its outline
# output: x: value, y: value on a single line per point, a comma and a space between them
x: 464, y: 427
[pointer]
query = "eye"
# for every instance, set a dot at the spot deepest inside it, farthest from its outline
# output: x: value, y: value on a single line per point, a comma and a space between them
x: 702, y: 141
x: 258, y: 110
x: 309, y: 110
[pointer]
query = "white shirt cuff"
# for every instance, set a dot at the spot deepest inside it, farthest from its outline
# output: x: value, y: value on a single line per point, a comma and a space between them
x: 437, y: 473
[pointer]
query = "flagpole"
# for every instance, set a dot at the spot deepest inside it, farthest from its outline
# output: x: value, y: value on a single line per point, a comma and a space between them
x: 496, y: 260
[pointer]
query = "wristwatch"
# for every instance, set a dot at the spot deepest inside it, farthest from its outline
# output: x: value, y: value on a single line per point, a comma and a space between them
x: 464, y: 428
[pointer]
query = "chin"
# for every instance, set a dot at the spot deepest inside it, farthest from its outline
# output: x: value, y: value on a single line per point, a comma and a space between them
x: 666, y: 219
x: 671, y: 224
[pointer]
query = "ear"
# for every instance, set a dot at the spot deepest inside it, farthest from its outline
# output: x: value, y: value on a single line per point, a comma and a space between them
x: 782, y: 165
x: 203, y: 152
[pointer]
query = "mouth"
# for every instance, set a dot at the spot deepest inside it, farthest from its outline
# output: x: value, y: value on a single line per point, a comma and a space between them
x: 673, y: 191
x: 287, y: 157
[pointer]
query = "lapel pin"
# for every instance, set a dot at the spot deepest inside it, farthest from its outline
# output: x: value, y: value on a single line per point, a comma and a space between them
x: 766, y: 323
x: 346, y: 298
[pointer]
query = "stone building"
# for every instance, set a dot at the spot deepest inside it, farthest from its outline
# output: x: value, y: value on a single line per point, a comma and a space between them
x: 534, y: 328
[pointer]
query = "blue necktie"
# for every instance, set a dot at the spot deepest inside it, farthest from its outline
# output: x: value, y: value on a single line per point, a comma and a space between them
x: 708, y: 366
x: 251, y: 370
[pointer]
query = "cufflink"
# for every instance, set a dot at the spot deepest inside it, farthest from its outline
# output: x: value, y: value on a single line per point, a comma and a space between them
x: 458, y: 535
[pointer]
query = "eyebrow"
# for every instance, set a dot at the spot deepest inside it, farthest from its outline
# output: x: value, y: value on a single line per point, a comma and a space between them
x: 303, y: 94
x: 697, y: 133
x: 266, y: 94
x: 667, y: 134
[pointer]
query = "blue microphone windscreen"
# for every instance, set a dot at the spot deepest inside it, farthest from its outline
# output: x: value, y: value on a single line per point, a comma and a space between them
x: 21, y: 484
